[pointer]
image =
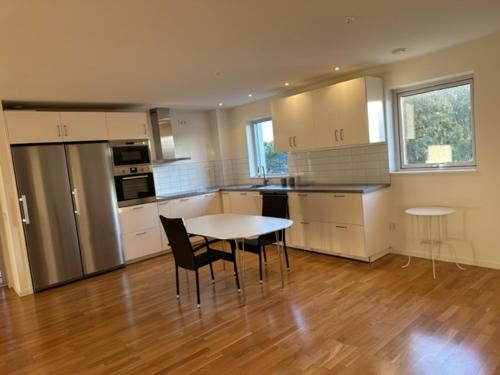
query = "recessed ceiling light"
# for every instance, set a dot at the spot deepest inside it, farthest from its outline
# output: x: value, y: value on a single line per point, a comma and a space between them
x: 221, y: 104
x: 349, y: 19
x: 287, y: 84
x: 250, y: 95
x: 337, y: 68
x: 399, y: 51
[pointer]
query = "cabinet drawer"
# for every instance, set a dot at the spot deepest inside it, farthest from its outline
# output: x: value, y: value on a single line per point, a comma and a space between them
x: 141, y: 243
x: 305, y: 206
x: 308, y: 234
x: 347, y: 240
x: 344, y: 208
x: 137, y: 218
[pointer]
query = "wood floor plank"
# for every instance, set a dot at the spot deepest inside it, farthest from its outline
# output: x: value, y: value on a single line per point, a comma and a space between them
x: 334, y: 316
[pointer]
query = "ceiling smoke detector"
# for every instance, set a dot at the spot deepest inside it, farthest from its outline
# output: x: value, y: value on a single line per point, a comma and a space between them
x: 399, y: 51
x: 349, y: 19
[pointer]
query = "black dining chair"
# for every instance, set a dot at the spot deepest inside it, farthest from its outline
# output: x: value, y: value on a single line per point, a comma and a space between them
x: 185, y: 257
x: 273, y: 205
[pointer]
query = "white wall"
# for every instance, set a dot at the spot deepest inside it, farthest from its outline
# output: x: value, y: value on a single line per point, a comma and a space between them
x: 475, y: 194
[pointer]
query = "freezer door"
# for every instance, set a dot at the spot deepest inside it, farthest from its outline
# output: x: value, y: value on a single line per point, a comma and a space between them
x: 47, y: 211
x: 96, y: 208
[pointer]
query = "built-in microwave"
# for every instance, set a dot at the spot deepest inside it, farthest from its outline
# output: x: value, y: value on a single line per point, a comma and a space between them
x: 134, y: 185
x: 135, y: 152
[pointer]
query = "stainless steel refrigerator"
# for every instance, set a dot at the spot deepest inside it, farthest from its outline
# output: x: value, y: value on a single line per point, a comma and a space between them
x: 69, y: 209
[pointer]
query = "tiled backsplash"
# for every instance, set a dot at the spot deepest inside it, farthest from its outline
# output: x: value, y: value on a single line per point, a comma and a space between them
x: 365, y: 164
x: 185, y: 176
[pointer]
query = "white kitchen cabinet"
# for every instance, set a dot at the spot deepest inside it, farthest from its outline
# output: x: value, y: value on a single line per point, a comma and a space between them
x: 164, y: 210
x: 140, y: 230
x: 226, y: 202
x: 349, y: 113
x: 141, y: 244
x: 245, y: 202
x: 33, y: 127
x: 354, y: 225
x: 292, y: 122
x: 126, y: 125
x: 83, y: 126
x: 210, y: 204
x: 186, y: 207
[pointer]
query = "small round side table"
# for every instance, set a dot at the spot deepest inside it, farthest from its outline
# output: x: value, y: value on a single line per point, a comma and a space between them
x: 428, y: 214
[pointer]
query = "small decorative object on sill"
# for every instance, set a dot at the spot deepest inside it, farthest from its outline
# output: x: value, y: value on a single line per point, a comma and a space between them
x: 284, y: 182
x: 291, y: 181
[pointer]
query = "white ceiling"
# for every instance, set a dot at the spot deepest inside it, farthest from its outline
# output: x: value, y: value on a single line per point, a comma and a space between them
x: 197, y: 53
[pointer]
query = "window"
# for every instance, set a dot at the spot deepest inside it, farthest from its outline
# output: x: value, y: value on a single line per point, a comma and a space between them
x: 261, y: 150
x: 436, y: 126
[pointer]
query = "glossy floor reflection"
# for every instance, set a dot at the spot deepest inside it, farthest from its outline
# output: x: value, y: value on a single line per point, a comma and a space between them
x: 334, y: 316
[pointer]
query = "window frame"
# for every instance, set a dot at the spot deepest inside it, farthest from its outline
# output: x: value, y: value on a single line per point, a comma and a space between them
x: 398, y: 122
x: 253, y: 139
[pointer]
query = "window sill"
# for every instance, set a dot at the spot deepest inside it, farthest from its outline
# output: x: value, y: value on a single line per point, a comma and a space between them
x: 434, y: 170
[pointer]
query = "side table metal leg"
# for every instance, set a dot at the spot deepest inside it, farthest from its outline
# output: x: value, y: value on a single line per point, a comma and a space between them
x: 241, y: 267
x: 431, y: 245
x: 280, y: 255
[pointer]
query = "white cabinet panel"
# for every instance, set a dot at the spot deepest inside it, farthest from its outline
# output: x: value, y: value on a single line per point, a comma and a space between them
x: 210, y: 204
x: 305, y: 206
x: 226, y: 202
x: 126, y: 125
x: 141, y: 243
x: 340, y: 208
x: 84, y: 126
x: 245, y: 203
x: 348, y: 239
x: 137, y: 218
x: 186, y: 207
x: 307, y: 234
x: 164, y: 210
x: 33, y: 127
x: 293, y: 122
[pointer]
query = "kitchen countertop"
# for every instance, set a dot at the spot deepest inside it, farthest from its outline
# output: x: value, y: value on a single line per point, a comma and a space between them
x: 339, y: 188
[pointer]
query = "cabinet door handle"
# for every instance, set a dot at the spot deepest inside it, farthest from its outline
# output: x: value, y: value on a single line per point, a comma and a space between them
x: 336, y: 135
x: 162, y: 204
x: 290, y: 141
x: 294, y: 141
x: 341, y: 226
x: 338, y: 196
x: 24, y: 204
x: 65, y: 130
x: 184, y: 199
x: 341, y: 134
x: 144, y: 128
x: 302, y: 195
x: 77, y: 202
x: 243, y: 193
x: 58, y: 130
x: 304, y: 222
x: 140, y: 233
x: 138, y: 208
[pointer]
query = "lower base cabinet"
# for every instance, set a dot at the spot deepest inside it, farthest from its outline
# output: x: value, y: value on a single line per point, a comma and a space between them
x: 141, y: 244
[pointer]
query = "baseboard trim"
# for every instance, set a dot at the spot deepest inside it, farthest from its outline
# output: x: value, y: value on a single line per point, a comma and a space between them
x: 446, y: 258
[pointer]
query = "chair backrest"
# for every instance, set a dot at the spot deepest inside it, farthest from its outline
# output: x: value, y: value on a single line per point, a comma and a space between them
x: 274, y: 205
x: 179, y: 242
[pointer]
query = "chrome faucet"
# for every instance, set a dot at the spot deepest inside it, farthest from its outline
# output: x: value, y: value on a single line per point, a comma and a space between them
x: 266, y: 181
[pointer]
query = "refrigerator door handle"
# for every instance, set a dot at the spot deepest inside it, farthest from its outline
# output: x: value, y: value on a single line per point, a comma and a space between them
x: 24, y: 204
x: 75, y: 199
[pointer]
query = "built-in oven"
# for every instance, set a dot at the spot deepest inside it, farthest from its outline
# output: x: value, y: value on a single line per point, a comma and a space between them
x: 134, y: 185
x: 135, y: 152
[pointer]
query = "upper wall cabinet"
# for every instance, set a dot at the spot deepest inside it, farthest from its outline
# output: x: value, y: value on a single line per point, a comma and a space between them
x: 83, y: 126
x: 33, y: 127
x: 126, y: 125
x: 292, y: 122
x: 347, y: 113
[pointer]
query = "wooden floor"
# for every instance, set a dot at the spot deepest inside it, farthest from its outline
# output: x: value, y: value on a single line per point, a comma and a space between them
x: 334, y: 316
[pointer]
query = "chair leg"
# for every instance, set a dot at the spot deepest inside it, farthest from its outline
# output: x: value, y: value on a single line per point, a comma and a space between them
x: 286, y: 251
x: 177, y: 280
x: 212, y: 273
x: 198, y: 289
x: 265, y: 255
x: 260, y: 266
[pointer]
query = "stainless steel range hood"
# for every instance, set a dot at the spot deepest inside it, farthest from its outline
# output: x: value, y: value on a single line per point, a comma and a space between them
x: 163, y: 137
